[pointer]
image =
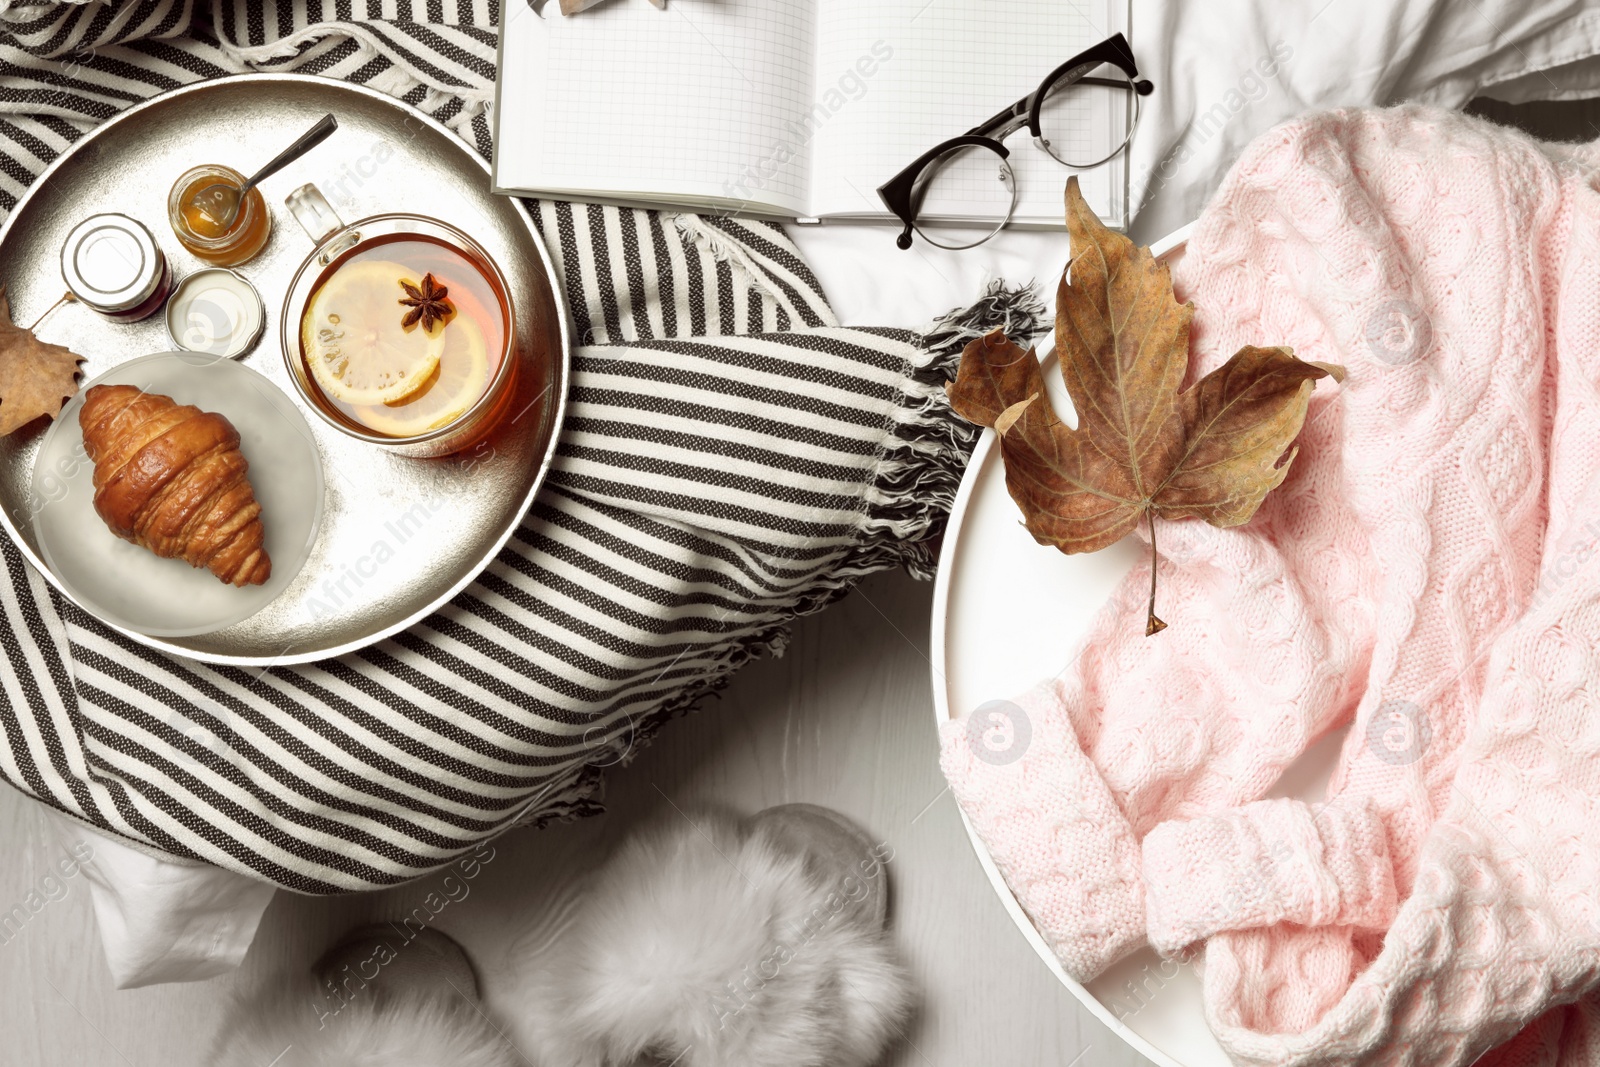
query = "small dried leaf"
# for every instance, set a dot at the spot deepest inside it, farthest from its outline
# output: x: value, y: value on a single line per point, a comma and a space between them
x: 1142, y: 448
x: 994, y: 373
x: 36, y: 378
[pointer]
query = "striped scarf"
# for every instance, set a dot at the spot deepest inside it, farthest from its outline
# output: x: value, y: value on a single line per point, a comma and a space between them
x: 731, y: 459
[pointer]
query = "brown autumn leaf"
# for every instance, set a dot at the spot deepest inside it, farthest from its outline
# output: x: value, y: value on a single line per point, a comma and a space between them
x: 1142, y: 448
x: 36, y: 378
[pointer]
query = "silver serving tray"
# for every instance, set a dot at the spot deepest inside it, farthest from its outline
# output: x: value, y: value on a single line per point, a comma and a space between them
x: 400, y: 537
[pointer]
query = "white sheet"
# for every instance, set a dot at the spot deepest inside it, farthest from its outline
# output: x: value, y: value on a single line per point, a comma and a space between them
x: 1225, y: 71
x: 161, y: 920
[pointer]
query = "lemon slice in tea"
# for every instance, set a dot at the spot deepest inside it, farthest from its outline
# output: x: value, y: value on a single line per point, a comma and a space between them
x: 461, y: 378
x: 354, y: 342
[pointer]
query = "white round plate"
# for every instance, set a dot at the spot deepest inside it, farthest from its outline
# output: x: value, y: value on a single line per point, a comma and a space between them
x: 1009, y: 613
x: 133, y: 588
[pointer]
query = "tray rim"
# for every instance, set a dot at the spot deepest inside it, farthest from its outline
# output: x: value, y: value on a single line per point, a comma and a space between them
x: 942, y: 713
x: 561, y: 377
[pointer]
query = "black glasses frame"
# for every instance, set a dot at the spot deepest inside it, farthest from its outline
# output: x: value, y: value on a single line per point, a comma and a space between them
x: 899, y: 193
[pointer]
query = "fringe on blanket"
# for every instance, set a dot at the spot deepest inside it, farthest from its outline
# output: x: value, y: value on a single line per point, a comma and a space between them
x: 909, y: 502
x: 916, y: 484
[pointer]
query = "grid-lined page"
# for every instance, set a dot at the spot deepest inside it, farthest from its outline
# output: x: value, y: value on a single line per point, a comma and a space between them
x: 952, y: 64
x: 700, y: 101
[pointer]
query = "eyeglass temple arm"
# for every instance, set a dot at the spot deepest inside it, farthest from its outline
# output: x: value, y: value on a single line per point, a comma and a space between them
x: 1143, y: 86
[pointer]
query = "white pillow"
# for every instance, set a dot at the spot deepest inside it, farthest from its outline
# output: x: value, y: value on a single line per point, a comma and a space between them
x: 1227, y: 70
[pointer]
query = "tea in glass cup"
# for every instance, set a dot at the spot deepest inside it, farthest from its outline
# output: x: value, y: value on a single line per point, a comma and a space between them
x: 403, y: 334
x: 398, y: 330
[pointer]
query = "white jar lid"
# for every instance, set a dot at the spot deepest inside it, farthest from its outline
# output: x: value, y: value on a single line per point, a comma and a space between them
x: 216, y: 311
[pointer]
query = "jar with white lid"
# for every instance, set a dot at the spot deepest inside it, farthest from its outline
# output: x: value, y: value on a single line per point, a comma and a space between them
x: 113, y: 266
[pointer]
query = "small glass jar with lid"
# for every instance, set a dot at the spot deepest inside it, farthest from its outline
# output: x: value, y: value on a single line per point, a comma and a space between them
x: 198, y: 232
x: 113, y: 266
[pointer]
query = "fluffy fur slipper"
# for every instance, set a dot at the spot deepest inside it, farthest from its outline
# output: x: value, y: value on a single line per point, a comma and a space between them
x: 721, y: 944
x: 376, y: 1000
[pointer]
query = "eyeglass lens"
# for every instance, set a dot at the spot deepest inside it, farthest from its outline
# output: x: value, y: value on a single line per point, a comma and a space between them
x: 1079, y: 115
x: 967, y: 182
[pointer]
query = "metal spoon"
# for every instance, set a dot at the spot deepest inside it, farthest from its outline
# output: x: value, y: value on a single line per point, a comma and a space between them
x: 220, y: 202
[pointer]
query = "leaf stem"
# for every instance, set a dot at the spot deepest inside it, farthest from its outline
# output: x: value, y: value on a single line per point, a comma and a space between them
x: 66, y: 298
x: 1152, y: 624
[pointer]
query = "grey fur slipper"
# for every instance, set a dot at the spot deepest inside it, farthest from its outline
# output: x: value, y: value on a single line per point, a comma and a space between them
x: 725, y: 943
x: 375, y: 1000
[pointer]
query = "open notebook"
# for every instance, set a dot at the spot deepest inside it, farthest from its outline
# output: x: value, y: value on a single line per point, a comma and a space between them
x: 798, y: 108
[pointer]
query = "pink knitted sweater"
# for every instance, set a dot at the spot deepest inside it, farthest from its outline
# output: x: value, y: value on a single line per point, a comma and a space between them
x: 1428, y: 574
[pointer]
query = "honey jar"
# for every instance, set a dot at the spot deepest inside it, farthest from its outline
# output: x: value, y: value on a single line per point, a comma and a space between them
x: 198, y: 232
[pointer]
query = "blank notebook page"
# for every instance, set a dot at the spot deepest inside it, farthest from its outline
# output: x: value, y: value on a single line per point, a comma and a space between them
x: 955, y: 63
x: 626, y: 100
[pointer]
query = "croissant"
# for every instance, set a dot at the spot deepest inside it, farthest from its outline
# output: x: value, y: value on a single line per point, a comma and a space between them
x: 171, y: 478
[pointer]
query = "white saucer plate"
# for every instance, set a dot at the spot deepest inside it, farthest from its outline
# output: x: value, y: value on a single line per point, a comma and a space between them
x: 133, y: 588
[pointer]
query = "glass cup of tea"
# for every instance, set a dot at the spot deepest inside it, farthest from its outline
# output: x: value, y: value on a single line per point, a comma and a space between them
x: 398, y: 330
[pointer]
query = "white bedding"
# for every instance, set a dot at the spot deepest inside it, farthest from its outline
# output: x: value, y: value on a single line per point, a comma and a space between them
x: 1224, y: 71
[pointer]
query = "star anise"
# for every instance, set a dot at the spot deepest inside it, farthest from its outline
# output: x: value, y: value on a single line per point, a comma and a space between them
x: 427, y: 303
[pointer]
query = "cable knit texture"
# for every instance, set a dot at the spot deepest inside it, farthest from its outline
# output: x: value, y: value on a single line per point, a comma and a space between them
x: 1269, y: 862
x: 1427, y: 576
x: 1068, y: 851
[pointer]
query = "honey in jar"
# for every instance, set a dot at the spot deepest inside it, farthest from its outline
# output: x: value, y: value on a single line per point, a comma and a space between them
x: 202, y: 234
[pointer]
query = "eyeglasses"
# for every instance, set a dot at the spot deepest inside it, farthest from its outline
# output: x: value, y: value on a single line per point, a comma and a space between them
x: 963, y: 171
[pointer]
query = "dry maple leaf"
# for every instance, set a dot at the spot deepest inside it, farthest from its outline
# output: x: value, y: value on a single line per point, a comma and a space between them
x: 1141, y: 448
x: 35, y: 378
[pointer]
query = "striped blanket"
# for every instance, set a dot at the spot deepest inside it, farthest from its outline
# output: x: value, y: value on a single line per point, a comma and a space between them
x: 732, y: 459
